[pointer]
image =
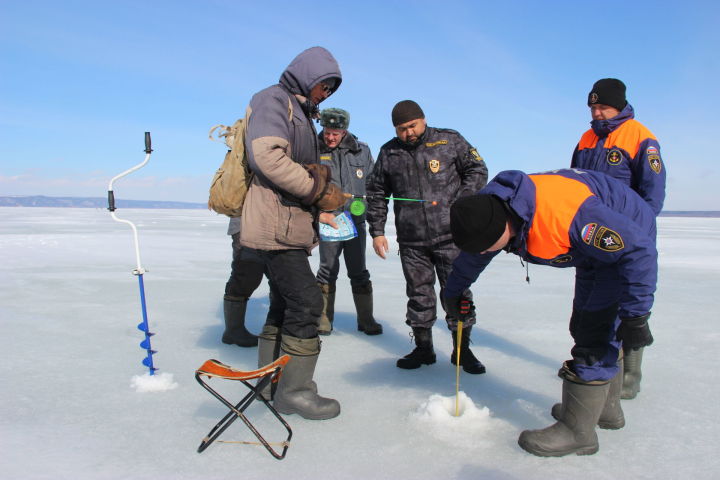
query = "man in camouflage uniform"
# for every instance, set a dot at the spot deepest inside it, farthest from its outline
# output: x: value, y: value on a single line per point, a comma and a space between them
x: 436, y: 166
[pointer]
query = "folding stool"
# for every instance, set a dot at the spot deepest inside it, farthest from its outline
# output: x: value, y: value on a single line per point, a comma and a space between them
x: 265, y: 375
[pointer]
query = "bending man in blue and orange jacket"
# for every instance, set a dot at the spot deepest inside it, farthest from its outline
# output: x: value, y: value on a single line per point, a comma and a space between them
x: 569, y: 218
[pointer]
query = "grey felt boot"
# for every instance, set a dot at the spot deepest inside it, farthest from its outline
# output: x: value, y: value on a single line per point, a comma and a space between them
x: 575, y: 431
x: 296, y: 391
x: 612, y: 416
x: 363, y: 297
x: 632, y: 374
x: 328, y: 313
x: 235, y: 332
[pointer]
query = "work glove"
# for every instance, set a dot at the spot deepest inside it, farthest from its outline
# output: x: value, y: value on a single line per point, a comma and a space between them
x: 635, y: 332
x: 460, y: 308
x: 325, y: 195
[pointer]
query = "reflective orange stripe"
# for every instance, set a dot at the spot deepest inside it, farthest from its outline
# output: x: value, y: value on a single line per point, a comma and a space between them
x: 557, y: 200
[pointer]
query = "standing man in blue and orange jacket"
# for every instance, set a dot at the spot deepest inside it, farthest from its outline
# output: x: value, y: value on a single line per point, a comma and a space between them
x: 620, y: 146
x: 569, y: 218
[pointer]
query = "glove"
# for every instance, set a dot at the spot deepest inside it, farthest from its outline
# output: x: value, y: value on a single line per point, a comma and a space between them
x: 634, y: 332
x: 332, y: 199
x: 325, y: 195
x: 320, y: 175
x: 459, y: 308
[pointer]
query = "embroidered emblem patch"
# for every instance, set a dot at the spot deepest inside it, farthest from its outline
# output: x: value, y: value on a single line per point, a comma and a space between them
x: 593, y: 97
x: 435, y: 144
x: 359, y: 173
x: 434, y: 166
x: 608, y: 240
x: 614, y: 157
x: 652, y: 151
x: 587, y: 232
x: 562, y: 259
x: 325, y: 158
x: 476, y: 155
x: 655, y: 163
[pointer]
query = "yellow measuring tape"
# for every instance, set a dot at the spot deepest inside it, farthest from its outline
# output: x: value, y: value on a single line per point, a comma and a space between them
x: 457, y: 368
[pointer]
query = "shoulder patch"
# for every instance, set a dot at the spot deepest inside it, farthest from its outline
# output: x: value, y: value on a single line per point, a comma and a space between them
x: 587, y: 232
x: 476, y: 156
x: 435, y: 144
x: 652, y: 151
x: 608, y: 240
x: 655, y: 163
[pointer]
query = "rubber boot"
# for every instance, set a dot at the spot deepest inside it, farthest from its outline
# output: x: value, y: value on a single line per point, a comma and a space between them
x: 295, y: 392
x: 235, y: 332
x: 575, y: 431
x: 363, y: 297
x: 469, y: 363
x: 632, y: 374
x: 423, y: 354
x: 268, y: 352
x: 328, y: 313
x: 612, y: 416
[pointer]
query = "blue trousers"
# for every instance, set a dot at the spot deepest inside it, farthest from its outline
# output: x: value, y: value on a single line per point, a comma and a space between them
x: 594, y: 322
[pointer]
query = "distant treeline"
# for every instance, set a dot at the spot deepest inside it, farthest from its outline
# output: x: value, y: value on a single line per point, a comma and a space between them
x: 91, y: 202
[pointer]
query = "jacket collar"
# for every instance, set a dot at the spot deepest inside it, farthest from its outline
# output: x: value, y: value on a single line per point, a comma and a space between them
x: 603, y: 128
x: 349, y: 142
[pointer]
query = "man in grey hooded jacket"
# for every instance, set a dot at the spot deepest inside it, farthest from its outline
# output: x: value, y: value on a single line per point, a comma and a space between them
x: 286, y: 198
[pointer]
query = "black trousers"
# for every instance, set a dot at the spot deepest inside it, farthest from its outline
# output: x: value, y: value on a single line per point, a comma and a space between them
x: 353, y: 252
x: 295, y: 299
x: 245, y: 274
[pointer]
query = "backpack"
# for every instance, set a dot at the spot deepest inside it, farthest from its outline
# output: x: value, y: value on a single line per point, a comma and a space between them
x: 232, y: 180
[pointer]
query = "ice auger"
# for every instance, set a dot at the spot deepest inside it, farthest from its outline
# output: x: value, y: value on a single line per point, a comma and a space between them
x: 139, y: 271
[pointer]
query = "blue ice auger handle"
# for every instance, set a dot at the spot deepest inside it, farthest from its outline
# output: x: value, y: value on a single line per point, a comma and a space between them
x: 148, y: 143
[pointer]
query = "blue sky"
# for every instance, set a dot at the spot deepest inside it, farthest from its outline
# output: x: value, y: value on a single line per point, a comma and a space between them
x: 81, y: 81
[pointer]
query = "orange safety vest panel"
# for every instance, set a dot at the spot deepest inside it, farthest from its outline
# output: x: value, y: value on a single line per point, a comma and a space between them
x: 627, y: 136
x: 557, y: 200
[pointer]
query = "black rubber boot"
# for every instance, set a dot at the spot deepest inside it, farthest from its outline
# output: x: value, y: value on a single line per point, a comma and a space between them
x: 612, y: 416
x: 469, y: 363
x: 328, y: 313
x: 575, y: 431
x: 632, y: 374
x: 296, y: 390
x: 268, y: 352
x: 423, y: 354
x: 363, y: 297
x: 235, y: 331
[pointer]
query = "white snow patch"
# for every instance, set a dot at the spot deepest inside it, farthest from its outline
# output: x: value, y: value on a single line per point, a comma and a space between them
x: 160, y: 382
x: 437, y: 416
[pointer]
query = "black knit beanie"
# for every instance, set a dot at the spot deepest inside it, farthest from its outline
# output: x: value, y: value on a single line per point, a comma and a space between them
x: 477, y: 222
x: 406, y: 111
x: 608, y: 91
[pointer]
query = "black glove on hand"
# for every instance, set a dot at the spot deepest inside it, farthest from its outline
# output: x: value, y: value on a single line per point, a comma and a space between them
x: 635, y: 332
x: 459, y: 308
